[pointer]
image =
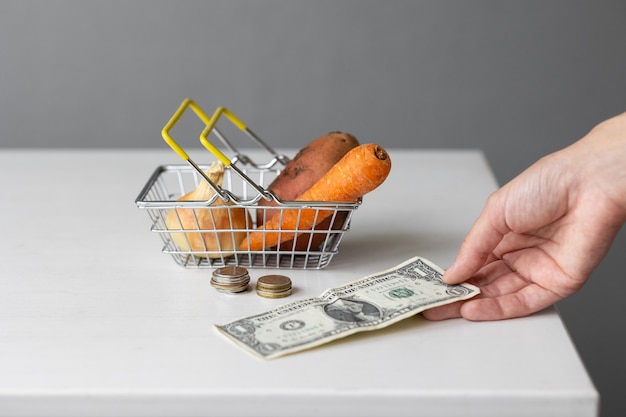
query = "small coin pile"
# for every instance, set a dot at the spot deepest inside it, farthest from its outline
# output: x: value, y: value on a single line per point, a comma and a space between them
x: 230, y: 279
x: 273, y: 286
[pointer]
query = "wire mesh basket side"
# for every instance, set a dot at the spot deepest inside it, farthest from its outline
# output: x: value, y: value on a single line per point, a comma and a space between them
x: 192, y: 245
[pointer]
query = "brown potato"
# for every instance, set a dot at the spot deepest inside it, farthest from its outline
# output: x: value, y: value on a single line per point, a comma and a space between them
x: 306, y: 168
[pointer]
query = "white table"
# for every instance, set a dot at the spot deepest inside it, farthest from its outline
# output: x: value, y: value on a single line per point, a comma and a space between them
x: 96, y: 321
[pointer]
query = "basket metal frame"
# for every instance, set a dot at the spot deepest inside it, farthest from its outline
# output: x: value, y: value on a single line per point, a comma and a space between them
x: 244, y: 187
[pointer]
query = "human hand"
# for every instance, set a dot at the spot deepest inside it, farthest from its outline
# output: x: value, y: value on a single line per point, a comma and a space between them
x: 541, y: 235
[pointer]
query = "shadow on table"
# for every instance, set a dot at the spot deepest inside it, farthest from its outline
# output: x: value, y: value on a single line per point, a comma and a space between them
x: 392, y: 248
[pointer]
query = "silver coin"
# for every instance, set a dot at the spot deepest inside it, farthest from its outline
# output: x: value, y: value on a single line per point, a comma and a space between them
x: 230, y: 279
x: 230, y: 272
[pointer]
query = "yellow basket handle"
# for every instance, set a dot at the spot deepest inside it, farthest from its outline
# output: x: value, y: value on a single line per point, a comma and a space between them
x: 189, y: 103
x: 210, y: 125
x: 215, y: 151
x: 204, y: 136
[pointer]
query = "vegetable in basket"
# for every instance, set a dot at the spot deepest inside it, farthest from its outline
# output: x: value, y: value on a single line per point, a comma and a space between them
x: 306, y: 168
x: 212, y: 229
x: 359, y: 172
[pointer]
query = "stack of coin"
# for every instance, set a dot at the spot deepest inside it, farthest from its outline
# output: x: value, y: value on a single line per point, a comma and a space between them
x: 230, y: 279
x: 273, y: 286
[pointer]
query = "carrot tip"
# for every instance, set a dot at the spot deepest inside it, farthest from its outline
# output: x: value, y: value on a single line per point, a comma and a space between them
x: 380, y: 153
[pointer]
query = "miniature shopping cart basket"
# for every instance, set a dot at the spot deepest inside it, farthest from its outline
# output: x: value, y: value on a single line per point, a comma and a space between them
x: 244, y: 188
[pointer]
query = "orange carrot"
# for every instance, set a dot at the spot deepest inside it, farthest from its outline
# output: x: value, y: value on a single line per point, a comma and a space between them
x: 360, y: 171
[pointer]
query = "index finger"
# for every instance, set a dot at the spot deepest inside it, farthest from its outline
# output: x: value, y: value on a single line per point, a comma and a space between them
x: 476, y: 248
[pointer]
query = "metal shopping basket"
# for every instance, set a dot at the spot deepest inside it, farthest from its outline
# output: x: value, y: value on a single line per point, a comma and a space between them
x: 244, y: 187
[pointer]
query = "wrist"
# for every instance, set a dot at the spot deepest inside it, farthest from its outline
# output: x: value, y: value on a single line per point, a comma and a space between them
x: 601, y: 159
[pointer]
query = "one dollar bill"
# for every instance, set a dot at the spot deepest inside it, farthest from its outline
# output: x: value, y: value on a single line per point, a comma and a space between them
x: 370, y: 303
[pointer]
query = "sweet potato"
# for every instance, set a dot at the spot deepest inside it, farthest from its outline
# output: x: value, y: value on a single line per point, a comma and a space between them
x: 306, y: 168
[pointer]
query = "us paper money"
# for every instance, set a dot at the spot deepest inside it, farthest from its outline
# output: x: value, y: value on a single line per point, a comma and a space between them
x: 370, y: 303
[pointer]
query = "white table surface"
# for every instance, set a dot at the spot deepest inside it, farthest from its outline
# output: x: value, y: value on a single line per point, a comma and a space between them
x: 96, y: 321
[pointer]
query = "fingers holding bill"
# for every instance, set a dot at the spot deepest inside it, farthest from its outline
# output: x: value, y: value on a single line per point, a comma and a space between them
x: 504, y: 295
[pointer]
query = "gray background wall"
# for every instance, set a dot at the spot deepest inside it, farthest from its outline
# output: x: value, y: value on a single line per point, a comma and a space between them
x: 516, y: 79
